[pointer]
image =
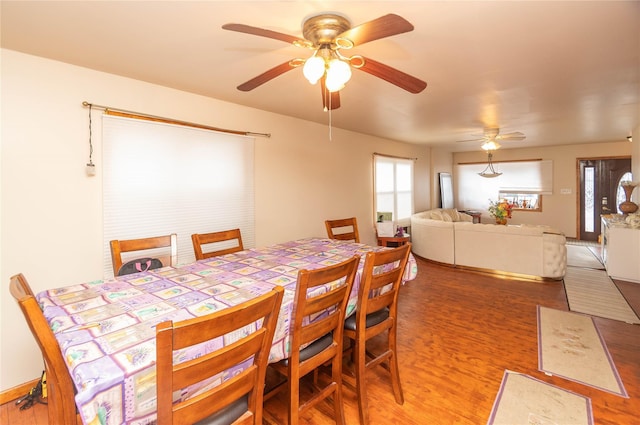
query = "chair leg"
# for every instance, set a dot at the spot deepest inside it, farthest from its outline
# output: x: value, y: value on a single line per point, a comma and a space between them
x: 336, y: 376
x: 393, y: 368
x: 294, y: 400
x: 361, y: 391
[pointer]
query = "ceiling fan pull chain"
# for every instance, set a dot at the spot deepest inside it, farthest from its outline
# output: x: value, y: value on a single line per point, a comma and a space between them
x: 330, y: 116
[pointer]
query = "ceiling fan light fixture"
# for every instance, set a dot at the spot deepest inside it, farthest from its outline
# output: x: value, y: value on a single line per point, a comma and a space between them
x: 490, y: 145
x: 326, y: 34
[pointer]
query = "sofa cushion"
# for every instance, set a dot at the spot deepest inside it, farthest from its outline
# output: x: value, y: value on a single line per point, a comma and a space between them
x: 436, y: 215
x: 450, y: 214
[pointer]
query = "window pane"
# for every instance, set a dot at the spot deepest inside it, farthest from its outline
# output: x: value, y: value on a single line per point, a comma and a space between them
x: 404, y: 177
x: 404, y: 206
x: 385, y: 203
x: 394, y: 187
x: 589, y: 199
x: 384, y: 177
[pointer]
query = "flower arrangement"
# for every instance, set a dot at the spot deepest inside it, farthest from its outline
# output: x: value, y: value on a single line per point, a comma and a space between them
x: 500, y: 210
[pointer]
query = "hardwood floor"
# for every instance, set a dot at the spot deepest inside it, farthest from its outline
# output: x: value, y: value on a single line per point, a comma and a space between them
x: 458, y: 332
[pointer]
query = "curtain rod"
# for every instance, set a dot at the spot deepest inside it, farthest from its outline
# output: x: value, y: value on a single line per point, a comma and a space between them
x: 394, y: 156
x: 130, y: 114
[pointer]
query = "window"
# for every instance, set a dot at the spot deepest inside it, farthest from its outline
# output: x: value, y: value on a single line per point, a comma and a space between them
x: 523, y: 201
x: 620, y: 195
x: 589, y: 199
x: 518, y: 178
x: 393, y: 182
x: 161, y: 178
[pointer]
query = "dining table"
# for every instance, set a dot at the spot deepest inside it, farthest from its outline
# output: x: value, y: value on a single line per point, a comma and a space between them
x: 106, y: 328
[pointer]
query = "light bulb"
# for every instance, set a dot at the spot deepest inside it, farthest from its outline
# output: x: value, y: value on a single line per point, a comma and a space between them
x: 338, y: 74
x: 313, y: 69
x: 333, y: 85
x: 340, y: 69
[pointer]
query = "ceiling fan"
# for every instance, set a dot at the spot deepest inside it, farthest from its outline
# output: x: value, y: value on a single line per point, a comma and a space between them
x: 328, y: 34
x: 492, y: 136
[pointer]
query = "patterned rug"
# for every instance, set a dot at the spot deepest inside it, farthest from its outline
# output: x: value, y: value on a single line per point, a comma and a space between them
x: 570, y: 346
x: 592, y: 292
x: 528, y: 401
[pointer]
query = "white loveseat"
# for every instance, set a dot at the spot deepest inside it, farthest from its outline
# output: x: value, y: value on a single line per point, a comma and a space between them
x: 448, y: 236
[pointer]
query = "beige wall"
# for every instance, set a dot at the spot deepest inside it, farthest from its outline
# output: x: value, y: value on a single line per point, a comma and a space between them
x: 51, y: 212
x: 558, y: 210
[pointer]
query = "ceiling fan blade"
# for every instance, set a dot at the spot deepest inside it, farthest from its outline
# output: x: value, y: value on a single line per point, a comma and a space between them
x: 394, y: 76
x: 265, y: 76
x: 482, y: 139
x: 512, y: 136
x: 247, y: 29
x: 384, y: 26
x: 330, y: 100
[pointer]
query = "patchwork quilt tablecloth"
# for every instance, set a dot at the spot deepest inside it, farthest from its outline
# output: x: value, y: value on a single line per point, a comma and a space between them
x: 106, y: 328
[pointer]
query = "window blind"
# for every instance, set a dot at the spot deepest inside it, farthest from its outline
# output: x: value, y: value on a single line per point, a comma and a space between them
x: 518, y: 176
x: 160, y: 179
x: 393, y: 182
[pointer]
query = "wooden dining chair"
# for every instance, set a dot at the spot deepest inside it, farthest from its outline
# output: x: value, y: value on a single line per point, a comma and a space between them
x: 60, y: 387
x: 238, y: 400
x: 346, y: 234
x: 218, y: 238
x: 322, y: 337
x: 376, y: 313
x: 144, y: 246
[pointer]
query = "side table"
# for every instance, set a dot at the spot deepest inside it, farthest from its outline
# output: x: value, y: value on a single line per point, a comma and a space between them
x: 477, y: 215
x: 393, y: 241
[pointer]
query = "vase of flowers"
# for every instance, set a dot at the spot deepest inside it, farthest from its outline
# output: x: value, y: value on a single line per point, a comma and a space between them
x: 500, y: 210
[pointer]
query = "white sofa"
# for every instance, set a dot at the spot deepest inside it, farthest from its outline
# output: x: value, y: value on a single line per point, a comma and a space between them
x: 448, y: 236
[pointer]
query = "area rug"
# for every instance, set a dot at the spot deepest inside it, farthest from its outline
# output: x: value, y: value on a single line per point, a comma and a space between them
x: 570, y: 346
x: 593, y: 292
x: 529, y: 401
x: 581, y: 256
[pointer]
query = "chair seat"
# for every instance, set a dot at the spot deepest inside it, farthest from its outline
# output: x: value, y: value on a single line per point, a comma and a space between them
x: 371, y: 320
x: 314, y: 348
x: 228, y: 414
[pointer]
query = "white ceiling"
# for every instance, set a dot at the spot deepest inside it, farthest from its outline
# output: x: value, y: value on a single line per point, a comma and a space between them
x: 560, y: 72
